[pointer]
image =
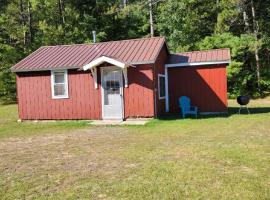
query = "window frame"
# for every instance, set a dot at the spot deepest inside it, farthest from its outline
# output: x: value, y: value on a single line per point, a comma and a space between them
x: 66, y: 95
x: 161, y: 76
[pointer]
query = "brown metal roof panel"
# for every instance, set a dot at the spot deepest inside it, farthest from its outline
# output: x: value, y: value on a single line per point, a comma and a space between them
x: 129, y: 51
x: 150, y: 50
x: 157, y: 44
x: 219, y: 55
x: 71, y: 58
x: 137, y: 51
x: 108, y: 49
x: 122, y: 52
x: 49, y: 57
x: 81, y: 54
x: 143, y: 53
x: 226, y: 54
x: 26, y: 62
x: 200, y: 56
x: 60, y: 58
x: 26, y: 59
x: 88, y: 55
x: 95, y: 50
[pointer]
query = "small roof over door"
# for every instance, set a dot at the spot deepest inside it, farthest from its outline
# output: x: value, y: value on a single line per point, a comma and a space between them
x: 105, y: 59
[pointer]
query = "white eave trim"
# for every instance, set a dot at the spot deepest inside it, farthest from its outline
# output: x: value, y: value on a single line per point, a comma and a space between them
x: 197, y: 63
x: 103, y: 59
x: 92, y: 66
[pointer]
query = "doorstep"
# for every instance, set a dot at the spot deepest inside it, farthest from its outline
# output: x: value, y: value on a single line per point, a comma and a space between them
x: 139, y: 121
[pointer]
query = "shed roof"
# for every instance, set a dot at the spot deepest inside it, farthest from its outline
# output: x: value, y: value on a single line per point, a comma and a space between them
x: 135, y: 51
x: 204, y: 57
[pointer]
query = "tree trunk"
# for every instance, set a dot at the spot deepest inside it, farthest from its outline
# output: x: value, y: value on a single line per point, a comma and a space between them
x: 245, y: 18
x: 151, y: 19
x: 30, y: 21
x: 22, y: 21
x: 125, y: 3
x: 61, y: 11
x: 255, y: 32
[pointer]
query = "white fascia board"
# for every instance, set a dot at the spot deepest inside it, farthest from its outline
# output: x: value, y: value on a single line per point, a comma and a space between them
x: 197, y: 63
x: 103, y: 59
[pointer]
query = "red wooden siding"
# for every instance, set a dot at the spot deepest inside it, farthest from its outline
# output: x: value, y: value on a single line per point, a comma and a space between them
x: 84, y: 102
x: 206, y: 86
x: 160, y: 69
x: 139, y: 96
x: 35, y: 99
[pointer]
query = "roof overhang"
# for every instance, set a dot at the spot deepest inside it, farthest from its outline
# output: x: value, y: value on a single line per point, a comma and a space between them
x: 103, y: 59
x: 198, y: 63
x: 92, y: 66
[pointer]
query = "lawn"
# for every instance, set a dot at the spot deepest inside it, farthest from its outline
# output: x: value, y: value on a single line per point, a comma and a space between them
x: 223, y: 157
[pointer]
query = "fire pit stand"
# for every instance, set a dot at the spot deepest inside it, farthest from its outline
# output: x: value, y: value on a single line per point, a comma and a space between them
x: 243, y: 102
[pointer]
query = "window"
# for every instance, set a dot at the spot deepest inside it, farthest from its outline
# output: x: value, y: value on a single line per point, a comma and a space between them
x: 161, y: 86
x: 59, y: 81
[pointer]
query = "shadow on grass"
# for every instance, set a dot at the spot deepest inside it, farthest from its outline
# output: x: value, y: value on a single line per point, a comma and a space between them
x: 231, y: 111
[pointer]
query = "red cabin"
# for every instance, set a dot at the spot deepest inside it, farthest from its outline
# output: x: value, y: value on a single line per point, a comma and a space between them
x: 118, y: 80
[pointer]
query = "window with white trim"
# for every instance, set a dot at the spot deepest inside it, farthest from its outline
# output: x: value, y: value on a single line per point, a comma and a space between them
x: 161, y: 86
x: 59, y: 84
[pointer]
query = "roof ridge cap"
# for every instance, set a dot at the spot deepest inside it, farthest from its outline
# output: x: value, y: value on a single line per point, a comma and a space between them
x: 90, y: 44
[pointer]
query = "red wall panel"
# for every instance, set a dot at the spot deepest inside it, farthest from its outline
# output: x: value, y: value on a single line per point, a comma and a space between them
x: 160, y: 69
x: 84, y: 102
x: 35, y: 99
x: 139, y: 95
x: 206, y: 86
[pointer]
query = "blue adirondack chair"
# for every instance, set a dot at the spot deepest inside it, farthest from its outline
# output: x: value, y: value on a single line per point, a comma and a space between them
x: 186, y: 108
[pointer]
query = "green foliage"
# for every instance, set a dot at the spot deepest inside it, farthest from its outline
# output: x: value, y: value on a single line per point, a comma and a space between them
x: 182, y: 21
x: 241, y: 72
x: 26, y: 25
x: 7, y: 80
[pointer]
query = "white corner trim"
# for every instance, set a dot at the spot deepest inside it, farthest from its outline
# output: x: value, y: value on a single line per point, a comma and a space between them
x: 103, y: 59
x: 66, y: 84
x: 159, y: 97
x: 125, y: 77
x: 94, y: 74
x: 166, y: 90
x: 197, y: 63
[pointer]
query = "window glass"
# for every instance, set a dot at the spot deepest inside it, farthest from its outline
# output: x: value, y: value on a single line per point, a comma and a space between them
x: 59, y: 77
x: 59, y: 87
x: 59, y: 90
x: 161, y: 86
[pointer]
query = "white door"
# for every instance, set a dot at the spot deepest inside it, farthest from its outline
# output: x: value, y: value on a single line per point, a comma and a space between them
x: 112, y: 93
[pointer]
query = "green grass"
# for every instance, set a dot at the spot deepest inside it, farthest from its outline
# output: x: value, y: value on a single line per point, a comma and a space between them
x: 10, y: 127
x: 209, y: 158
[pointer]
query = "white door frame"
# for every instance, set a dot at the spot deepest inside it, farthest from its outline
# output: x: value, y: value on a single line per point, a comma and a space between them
x: 102, y: 69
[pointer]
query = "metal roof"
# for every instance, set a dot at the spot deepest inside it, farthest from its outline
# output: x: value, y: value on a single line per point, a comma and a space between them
x: 135, y: 51
x: 204, y: 57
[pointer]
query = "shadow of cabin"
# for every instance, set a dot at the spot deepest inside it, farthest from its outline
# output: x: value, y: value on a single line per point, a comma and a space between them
x: 202, y: 85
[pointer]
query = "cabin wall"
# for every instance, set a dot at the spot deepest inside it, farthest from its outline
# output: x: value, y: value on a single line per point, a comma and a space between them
x: 84, y: 102
x: 35, y: 98
x: 160, y: 69
x: 206, y: 86
x: 139, y: 95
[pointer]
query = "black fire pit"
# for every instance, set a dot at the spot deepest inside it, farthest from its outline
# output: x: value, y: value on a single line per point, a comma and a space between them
x: 243, y: 102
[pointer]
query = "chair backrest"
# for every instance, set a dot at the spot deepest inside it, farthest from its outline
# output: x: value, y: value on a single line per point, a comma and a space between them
x: 184, y: 103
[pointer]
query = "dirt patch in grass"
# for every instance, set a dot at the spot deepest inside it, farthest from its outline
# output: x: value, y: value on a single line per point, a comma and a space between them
x: 45, y: 162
